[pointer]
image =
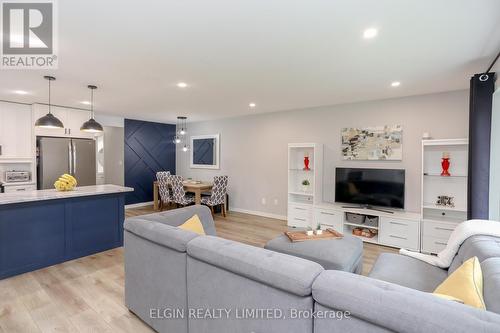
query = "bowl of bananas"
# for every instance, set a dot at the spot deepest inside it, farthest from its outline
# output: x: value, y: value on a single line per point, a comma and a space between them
x: 65, y: 183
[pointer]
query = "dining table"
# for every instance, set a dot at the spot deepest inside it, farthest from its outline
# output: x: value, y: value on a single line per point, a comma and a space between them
x: 196, y: 187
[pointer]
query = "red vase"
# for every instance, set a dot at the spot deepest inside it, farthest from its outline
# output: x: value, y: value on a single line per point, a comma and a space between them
x: 445, y: 164
x: 306, y: 163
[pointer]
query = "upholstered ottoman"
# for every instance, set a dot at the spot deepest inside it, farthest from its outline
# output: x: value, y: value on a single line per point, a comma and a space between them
x: 345, y: 254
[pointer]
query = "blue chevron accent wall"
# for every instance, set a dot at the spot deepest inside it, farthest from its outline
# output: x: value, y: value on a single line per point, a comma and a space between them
x: 148, y: 149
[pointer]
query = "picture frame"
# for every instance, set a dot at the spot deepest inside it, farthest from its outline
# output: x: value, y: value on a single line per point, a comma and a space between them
x: 205, y: 151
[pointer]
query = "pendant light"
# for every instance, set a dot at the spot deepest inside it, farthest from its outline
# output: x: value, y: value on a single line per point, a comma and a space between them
x: 177, y: 138
x: 91, y: 126
x: 183, y: 129
x: 49, y: 120
x: 180, y: 132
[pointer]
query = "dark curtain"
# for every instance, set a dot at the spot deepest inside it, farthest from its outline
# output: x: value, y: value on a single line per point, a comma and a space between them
x: 481, y: 97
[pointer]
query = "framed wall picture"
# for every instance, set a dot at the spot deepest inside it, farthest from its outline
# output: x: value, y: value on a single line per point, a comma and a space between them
x: 373, y: 143
x: 205, y: 151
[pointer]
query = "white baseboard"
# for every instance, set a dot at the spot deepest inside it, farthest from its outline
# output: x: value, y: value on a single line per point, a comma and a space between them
x: 140, y: 204
x: 254, y: 212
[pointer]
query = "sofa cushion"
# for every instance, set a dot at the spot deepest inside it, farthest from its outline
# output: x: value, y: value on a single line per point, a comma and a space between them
x: 194, y: 225
x: 397, y: 308
x: 160, y: 233
x: 491, y: 284
x: 480, y: 246
x: 408, y: 272
x: 465, y: 284
x: 278, y: 270
x: 176, y: 217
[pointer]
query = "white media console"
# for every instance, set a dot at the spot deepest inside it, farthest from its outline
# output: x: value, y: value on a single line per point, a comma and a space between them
x: 400, y: 229
x: 427, y: 231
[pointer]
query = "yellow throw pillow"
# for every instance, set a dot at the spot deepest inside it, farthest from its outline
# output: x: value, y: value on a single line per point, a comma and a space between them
x: 465, y: 284
x: 194, y: 225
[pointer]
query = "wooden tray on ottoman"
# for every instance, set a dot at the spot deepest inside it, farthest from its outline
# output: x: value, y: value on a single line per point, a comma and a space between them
x: 301, y: 236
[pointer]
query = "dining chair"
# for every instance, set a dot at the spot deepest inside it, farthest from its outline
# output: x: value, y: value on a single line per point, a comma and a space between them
x: 218, y: 197
x: 179, y: 196
x: 164, y: 184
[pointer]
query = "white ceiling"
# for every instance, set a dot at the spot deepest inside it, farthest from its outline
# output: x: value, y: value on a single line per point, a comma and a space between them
x: 280, y: 54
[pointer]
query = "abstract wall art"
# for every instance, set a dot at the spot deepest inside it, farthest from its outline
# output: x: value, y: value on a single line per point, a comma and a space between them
x: 373, y: 143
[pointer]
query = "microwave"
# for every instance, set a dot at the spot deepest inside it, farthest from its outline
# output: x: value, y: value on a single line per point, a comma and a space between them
x: 17, y: 176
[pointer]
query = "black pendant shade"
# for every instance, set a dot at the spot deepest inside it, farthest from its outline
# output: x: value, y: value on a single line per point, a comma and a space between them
x: 49, y: 120
x: 91, y: 126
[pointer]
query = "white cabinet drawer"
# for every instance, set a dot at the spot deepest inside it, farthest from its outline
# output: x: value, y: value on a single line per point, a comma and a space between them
x: 19, y: 188
x: 299, y: 216
x: 328, y: 218
x: 438, y: 230
x: 399, y: 233
x: 299, y: 211
x: 433, y: 244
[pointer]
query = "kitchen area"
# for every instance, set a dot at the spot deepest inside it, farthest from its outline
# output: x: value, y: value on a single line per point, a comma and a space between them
x: 39, y: 225
x: 33, y: 158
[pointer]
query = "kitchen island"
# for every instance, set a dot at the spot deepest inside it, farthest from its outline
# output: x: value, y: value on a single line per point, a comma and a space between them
x: 46, y: 227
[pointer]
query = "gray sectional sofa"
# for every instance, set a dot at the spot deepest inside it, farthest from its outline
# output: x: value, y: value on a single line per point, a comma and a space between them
x: 178, y: 281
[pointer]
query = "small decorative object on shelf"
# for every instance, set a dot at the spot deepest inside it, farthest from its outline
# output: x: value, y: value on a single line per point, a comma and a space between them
x: 65, y: 183
x: 318, y: 230
x: 306, y: 163
x: 445, y: 164
x: 305, y: 185
x: 445, y: 201
x: 309, y: 231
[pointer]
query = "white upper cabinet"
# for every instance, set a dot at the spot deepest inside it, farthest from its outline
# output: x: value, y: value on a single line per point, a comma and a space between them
x: 72, y: 120
x: 15, y: 131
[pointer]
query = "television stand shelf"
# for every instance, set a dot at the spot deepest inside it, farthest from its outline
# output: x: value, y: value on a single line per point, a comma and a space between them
x: 396, y: 228
x: 369, y: 207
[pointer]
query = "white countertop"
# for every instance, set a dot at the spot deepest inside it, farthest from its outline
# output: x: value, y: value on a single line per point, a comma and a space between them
x: 79, y: 191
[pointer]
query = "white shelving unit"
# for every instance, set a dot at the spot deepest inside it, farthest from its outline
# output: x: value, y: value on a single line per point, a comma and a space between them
x: 300, y: 199
x: 439, y: 221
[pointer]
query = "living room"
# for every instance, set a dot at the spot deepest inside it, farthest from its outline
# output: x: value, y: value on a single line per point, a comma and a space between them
x: 250, y: 167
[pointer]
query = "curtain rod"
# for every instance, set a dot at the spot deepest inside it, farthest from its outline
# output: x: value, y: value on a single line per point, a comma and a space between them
x: 493, y: 63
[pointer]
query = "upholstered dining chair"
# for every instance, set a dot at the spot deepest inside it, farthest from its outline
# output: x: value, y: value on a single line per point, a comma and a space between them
x: 179, y: 196
x: 164, y: 184
x: 218, y: 197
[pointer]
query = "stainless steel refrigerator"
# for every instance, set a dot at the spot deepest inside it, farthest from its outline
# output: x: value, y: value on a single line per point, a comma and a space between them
x: 57, y: 156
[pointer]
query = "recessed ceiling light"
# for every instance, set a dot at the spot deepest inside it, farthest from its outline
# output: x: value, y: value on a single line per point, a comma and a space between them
x: 182, y: 85
x: 370, y: 33
x: 252, y: 105
x: 21, y: 92
x: 395, y: 84
x: 85, y: 102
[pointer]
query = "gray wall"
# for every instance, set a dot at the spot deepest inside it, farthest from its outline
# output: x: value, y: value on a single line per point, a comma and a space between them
x: 113, y: 155
x: 254, y: 148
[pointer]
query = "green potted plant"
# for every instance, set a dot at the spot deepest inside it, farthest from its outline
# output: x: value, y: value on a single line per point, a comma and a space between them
x: 309, y: 231
x: 318, y: 230
x: 305, y: 185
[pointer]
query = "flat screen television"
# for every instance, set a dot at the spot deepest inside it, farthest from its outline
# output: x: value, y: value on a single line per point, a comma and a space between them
x: 370, y: 187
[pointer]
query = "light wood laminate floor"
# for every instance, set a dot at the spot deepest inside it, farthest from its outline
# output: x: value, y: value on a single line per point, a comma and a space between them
x: 87, y: 294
